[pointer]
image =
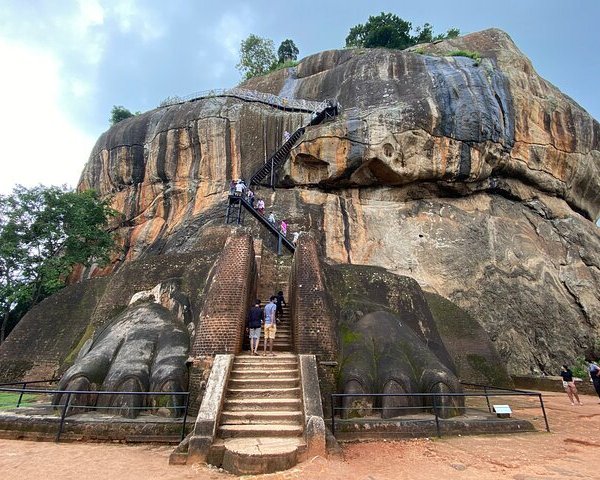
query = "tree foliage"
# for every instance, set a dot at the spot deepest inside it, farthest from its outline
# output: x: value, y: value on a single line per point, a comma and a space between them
x: 120, y: 113
x: 390, y: 31
x: 44, y: 233
x: 257, y: 56
x: 287, y: 51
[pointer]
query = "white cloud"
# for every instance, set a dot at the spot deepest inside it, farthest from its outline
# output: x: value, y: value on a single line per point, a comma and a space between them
x: 231, y: 29
x: 39, y: 142
x: 140, y: 20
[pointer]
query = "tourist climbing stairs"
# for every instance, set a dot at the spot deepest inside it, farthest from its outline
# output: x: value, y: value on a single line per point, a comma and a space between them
x: 261, y: 428
x: 238, y: 203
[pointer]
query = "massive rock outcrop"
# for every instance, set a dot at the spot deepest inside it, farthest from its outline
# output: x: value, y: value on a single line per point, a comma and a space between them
x: 476, y: 177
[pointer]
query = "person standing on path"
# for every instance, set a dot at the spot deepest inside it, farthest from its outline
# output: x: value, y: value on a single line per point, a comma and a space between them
x: 254, y: 323
x: 594, y: 373
x: 569, y: 384
x: 270, y: 325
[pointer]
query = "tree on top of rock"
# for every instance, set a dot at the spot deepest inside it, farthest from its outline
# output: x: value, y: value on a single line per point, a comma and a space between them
x: 390, y: 31
x: 120, y: 113
x: 287, y: 51
x: 257, y: 56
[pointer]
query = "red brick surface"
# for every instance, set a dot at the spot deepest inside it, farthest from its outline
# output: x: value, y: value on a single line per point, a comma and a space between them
x: 220, y: 326
x: 312, y: 316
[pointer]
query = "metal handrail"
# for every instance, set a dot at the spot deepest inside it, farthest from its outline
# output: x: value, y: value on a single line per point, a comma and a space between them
x: 69, y: 393
x: 434, y: 396
x: 308, y: 106
x: 24, y: 386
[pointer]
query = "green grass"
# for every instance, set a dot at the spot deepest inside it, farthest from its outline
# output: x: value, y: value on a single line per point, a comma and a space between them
x: 454, y: 53
x: 10, y: 399
x: 279, y: 66
x: 464, y: 53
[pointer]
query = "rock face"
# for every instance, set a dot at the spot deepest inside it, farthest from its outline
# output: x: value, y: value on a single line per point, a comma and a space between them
x: 475, y: 177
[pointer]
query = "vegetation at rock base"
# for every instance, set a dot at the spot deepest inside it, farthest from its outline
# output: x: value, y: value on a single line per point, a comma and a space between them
x: 257, y: 56
x: 44, y: 233
x: 390, y: 31
x: 120, y: 113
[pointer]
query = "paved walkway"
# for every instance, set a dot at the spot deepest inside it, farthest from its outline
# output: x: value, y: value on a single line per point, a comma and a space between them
x: 570, y: 451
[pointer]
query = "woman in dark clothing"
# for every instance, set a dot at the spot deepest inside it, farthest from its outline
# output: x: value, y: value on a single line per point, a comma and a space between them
x: 569, y: 384
x: 280, y: 303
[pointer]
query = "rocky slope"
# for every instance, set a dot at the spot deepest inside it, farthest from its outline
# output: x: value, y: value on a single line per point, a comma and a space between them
x: 477, y: 178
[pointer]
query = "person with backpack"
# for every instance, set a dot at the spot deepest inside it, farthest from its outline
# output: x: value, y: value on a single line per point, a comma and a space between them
x: 254, y: 324
x: 280, y: 302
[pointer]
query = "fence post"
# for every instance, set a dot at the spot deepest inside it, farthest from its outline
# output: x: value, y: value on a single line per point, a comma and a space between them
x: 62, y: 417
x: 544, y: 412
x: 437, y: 420
x: 187, y: 404
x: 332, y: 417
x: 487, y: 399
x: 21, y: 394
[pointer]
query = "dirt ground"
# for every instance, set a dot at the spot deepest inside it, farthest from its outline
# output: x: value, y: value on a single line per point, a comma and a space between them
x: 570, y: 451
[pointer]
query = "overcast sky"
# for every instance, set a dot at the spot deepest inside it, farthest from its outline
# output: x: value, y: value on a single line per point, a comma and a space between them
x: 65, y: 63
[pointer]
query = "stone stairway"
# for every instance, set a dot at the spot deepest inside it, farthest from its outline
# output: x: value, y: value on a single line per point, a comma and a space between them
x: 283, y: 336
x: 261, y: 427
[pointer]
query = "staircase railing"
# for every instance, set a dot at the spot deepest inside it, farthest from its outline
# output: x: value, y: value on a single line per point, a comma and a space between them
x: 282, y: 241
x: 330, y: 110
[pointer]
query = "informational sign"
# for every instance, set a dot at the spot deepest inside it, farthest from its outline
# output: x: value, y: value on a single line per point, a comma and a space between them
x: 502, y: 411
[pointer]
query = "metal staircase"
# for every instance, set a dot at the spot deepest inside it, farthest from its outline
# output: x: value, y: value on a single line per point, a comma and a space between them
x: 237, y: 203
x: 280, y: 156
x: 235, y: 214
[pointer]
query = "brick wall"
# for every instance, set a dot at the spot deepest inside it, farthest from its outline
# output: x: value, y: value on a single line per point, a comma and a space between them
x: 220, y: 325
x: 313, y: 321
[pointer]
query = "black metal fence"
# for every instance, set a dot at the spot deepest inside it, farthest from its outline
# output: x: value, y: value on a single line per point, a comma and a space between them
x: 67, y: 395
x: 475, y: 402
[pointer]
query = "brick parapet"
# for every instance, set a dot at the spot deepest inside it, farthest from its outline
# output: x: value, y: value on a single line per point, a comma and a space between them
x: 313, y: 321
x: 220, y: 325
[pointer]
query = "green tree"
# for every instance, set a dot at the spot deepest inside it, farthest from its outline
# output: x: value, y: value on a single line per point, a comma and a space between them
x: 257, y: 56
x: 120, y: 113
x: 287, y: 51
x: 390, y: 31
x: 44, y: 233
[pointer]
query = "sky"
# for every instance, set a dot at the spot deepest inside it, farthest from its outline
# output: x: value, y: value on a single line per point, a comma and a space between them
x: 65, y: 63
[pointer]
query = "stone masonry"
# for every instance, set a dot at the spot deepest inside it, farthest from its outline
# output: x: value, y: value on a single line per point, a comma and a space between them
x: 312, y: 316
x: 220, y: 326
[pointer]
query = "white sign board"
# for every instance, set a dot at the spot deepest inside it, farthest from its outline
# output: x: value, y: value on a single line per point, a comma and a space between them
x: 502, y: 410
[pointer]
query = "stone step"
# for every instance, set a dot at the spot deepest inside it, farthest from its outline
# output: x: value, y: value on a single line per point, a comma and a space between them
x: 270, y: 404
x: 259, y: 373
x: 279, y: 359
x: 288, y: 382
x: 255, y: 456
x: 263, y: 393
x: 265, y: 366
x: 288, y: 417
x: 260, y: 430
